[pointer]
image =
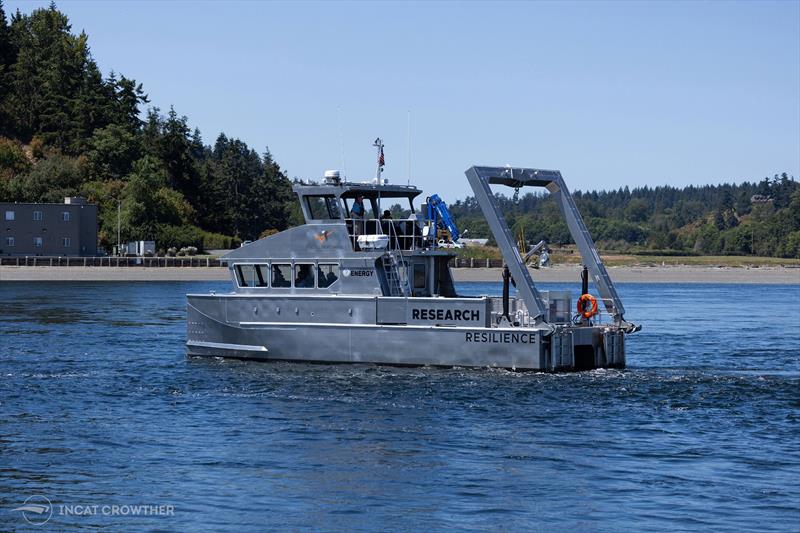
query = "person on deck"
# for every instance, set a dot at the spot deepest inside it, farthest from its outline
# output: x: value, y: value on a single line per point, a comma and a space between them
x: 357, y: 213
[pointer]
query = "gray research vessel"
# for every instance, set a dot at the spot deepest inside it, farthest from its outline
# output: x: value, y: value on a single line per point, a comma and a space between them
x: 378, y: 290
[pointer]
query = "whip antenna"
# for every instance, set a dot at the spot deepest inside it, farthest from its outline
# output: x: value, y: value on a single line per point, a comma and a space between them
x: 408, y: 142
x: 341, y: 142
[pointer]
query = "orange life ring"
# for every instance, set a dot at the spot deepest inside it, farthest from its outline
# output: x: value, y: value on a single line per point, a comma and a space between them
x: 582, y: 301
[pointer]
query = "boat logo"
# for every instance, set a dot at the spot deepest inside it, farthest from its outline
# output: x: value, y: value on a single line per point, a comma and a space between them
x: 323, y: 236
x: 36, y: 510
x: 358, y: 272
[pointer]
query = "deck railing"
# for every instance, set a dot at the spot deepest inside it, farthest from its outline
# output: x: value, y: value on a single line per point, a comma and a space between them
x: 519, y: 312
x: 109, y: 261
x: 396, y: 242
x: 403, y: 234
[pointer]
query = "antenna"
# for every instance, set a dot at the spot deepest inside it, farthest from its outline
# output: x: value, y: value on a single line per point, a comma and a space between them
x: 408, y: 142
x: 341, y: 142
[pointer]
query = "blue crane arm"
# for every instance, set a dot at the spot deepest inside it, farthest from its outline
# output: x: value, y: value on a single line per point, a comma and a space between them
x: 441, y: 209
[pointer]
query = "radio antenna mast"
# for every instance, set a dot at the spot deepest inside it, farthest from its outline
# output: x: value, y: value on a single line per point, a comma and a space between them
x: 341, y: 142
x: 408, y: 163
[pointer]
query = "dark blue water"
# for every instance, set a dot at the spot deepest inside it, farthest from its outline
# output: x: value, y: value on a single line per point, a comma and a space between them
x: 99, y: 407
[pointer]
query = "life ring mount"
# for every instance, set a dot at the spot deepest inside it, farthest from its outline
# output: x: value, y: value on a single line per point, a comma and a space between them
x: 587, y: 305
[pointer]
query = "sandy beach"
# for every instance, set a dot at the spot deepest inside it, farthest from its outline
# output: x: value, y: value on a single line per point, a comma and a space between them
x: 660, y: 274
x: 566, y: 273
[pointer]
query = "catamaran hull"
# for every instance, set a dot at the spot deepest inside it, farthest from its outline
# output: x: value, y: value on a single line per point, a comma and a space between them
x: 210, y: 333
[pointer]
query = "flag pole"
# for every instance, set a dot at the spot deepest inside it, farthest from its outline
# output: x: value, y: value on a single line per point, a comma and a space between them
x: 379, y: 145
x: 381, y: 162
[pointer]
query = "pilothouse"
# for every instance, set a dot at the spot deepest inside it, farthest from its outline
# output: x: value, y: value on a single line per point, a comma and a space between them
x: 359, y: 284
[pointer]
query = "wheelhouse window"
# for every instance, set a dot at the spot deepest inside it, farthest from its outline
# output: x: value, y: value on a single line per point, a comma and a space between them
x: 281, y: 275
x: 37, y: 215
x: 327, y: 274
x: 9, y: 215
x: 262, y: 275
x: 252, y: 275
x: 323, y: 207
x: 304, y: 276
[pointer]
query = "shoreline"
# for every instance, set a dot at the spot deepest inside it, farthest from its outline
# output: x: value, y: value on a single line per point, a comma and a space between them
x: 559, y: 274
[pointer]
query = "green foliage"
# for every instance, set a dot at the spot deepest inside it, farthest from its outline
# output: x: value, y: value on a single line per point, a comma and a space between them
x: 168, y: 236
x: 713, y: 219
x: 217, y: 241
x: 111, y: 151
x: 49, y: 181
x: 13, y: 160
x: 152, y: 178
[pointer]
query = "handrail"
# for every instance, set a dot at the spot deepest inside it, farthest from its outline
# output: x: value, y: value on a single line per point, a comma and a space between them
x: 410, y: 235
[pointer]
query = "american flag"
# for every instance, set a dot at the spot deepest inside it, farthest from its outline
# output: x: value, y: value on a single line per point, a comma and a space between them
x: 381, y: 160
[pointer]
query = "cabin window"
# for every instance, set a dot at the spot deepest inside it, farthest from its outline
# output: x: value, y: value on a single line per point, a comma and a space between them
x: 420, y: 276
x: 281, y: 275
x: 323, y: 207
x: 65, y: 216
x: 327, y: 274
x: 9, y: 215
x: 38, y: 242
x: 252, y: 275
x: 333, y: 206
x: 304, y: 276
x: 262, y: 275
x: 245, y: 275
x: 65, y: 241
x: 370, y: 208
x: 10, y: 241
x: 37, y: 215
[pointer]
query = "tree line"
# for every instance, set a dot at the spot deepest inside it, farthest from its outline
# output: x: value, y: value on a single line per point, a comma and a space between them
x: 753, y: 218
x: 66, y: 129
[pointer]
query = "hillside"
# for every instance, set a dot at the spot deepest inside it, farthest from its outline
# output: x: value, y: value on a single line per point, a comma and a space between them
x: 66, y: 129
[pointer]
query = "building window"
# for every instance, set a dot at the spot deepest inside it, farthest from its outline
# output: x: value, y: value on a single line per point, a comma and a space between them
x: 65, y: 216
x: 327, y: 274
x: 10, y: 241
x: 65, y: 241
x: 37, y: 215
x: 9, y: 215
x: 304, y: 277
x: 37, y: 242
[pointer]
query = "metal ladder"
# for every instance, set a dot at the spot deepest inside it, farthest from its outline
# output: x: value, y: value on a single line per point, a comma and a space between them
x: 396, y: 270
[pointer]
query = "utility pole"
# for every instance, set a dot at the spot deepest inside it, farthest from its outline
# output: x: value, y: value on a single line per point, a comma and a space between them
x: 119, y: 218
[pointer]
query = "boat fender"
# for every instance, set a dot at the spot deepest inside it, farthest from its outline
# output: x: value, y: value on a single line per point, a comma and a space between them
x: 587, y: 305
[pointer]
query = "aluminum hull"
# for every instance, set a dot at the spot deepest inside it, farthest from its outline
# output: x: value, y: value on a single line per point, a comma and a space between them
x: 210, y: 332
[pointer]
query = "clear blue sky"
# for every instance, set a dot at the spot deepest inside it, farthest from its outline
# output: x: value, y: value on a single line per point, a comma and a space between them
x: 612, y: 94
